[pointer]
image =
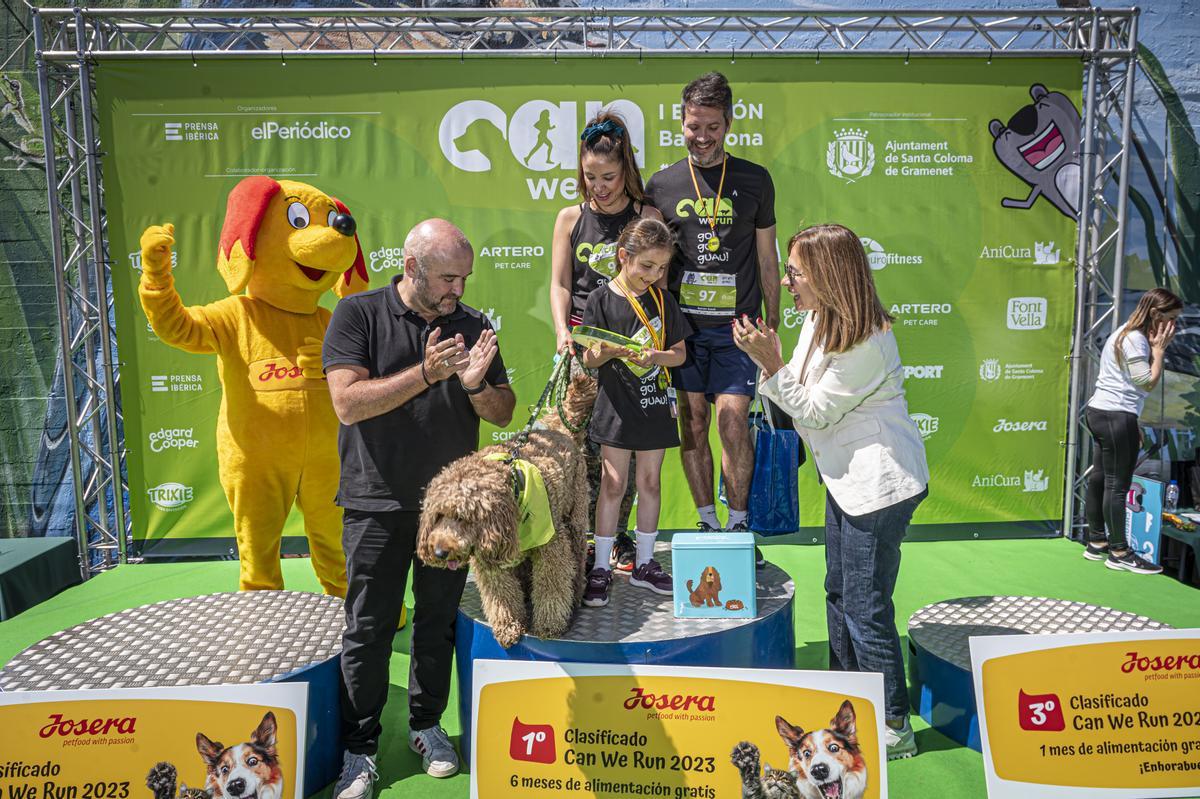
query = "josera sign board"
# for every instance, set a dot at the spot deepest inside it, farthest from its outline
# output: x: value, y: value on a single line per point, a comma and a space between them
x: 138, y: 742
x: 608, y: 730
x: 958, y: 175
x: 1098, y: 714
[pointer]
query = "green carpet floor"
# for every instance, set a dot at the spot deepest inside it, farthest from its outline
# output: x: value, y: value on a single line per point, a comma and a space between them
x: 930, y: 572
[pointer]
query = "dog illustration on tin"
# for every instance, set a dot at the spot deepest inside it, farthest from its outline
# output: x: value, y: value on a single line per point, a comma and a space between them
x: 824, y: 764
x: 247, y: 770
x: 1040, y: 145
x: 707, y: 593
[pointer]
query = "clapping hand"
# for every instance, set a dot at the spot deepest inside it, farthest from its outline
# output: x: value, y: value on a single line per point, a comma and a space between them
x: 443, y: 358
x: 473, y: 370
x: 760, y: 342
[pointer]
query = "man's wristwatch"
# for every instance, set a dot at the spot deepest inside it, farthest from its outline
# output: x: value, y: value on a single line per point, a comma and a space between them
x: 477, y: 390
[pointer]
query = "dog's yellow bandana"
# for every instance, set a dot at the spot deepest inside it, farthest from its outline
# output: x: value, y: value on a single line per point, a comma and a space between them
x: 535, y: 525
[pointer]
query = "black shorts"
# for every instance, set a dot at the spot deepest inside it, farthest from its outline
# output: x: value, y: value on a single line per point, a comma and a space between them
x: 715, y: 365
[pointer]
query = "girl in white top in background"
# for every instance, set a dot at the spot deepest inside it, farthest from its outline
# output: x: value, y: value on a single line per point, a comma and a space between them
x: 1130, y: 367
x: 844, y: 387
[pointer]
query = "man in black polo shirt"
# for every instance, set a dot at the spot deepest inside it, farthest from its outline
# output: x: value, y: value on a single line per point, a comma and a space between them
x: 722, y: 210
x: 411, y: 372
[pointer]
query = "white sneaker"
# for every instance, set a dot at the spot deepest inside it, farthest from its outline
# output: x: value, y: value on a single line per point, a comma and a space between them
x: 358, y: 777
x: 901, y: 743
x: 438, y: 757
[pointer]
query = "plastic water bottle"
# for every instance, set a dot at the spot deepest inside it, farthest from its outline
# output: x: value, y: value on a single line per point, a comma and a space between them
x: 1171, y: 501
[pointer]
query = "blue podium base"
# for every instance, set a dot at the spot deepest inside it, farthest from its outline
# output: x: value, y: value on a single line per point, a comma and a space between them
x: 637, y: 627
x: 323, y: 749
x: 941, y: 685
x: 944, y: 695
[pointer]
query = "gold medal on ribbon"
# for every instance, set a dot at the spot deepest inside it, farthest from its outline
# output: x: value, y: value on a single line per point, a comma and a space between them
x: 714, y: 243
x: 657, y: 337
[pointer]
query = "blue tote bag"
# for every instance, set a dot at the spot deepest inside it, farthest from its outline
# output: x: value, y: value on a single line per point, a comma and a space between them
x: 774, y: 501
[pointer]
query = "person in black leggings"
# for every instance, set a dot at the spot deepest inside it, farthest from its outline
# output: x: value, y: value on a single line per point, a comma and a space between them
x: 1130, y: 367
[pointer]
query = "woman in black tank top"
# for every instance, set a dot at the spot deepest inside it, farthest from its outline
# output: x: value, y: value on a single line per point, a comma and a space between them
x: 594, y: 251
x: 584, y: 255
x: 585, y: 235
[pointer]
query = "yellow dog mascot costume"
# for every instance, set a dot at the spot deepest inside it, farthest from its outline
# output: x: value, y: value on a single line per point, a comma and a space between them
x: 283, y: 245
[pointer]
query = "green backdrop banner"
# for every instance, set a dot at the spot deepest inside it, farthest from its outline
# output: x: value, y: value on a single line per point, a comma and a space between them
x: 959, y: 176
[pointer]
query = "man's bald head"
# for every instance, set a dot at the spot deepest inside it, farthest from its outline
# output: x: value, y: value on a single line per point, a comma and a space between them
x: 436, y: 241
x: 437, y: 263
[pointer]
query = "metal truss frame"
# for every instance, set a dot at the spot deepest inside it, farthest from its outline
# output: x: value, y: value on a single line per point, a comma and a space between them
x: 1106, y: 151
x: 69, y: 42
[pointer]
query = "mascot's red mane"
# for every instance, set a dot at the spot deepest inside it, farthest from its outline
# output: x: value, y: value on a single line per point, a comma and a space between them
x: 245, y: 211
x: 360, y: 264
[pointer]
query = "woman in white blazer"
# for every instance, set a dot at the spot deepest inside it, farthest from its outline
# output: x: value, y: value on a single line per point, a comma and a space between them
x: 844, y: 387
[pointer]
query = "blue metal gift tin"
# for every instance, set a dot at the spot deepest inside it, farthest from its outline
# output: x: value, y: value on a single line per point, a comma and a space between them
x: 714, y: 575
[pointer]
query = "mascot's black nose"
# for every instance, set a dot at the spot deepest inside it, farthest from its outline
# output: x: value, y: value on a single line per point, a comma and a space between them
x: 1024, y: 122
x: 819, y: 771
x: 440, y: 554
x: 235, y: 787
x: 344, y: 224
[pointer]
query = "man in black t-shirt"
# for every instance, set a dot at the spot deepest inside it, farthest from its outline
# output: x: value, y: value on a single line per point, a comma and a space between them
x: 411, y: 372
x: 722, y: 211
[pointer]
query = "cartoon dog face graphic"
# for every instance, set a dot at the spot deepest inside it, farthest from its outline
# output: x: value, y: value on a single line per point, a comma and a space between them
x: 829, y: 762
x: 1040, y: 145
x: 246, y: 771
x: 1133, y: 498
x: 287, y: 243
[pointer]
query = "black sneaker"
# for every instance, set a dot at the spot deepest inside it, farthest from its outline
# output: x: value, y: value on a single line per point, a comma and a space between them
x: 1131, y: 561
x: 1093, y: 552
x: 705, y: 527
x: 651, y: 575
x: 598, y: 585
x: 624, y: 552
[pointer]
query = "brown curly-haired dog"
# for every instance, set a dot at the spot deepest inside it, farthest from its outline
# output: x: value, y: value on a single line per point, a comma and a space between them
x: 707, y: 592
x: 470, y: 512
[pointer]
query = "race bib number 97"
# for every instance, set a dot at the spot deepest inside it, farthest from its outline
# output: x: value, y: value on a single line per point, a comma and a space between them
x: 708, y: 293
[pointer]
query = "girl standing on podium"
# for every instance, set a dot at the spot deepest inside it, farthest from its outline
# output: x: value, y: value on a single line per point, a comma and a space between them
x: 635, y: 407
x: 584, y: 256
